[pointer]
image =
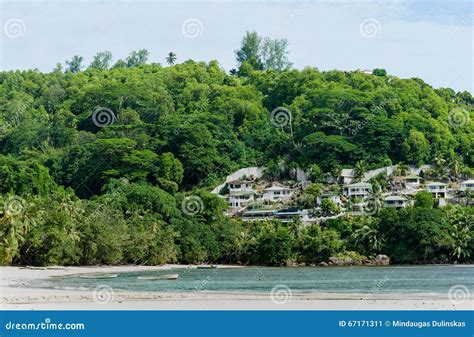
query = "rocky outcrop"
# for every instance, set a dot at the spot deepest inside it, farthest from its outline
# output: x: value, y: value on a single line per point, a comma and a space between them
x: 380, y: 260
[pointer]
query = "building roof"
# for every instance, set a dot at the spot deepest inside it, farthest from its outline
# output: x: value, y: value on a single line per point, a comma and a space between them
x: 361, y: 184
x: 470, y: 181
x: 412, y: 177
x: 245, y: 192
x: 239, y: 182
x: 395, y: 198
x: 259, y: 211
x: 347, y: 173
x: 329, y: 194
x: 277, y: 188
x: 288, y: 213
x: 436, y: 183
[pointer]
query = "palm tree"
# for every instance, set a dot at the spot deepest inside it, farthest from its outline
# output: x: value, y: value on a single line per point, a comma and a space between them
x: 13, y: 227
x: 401, y: 170
x: 368, y: 239
x: 455, y: 166
x: 359, y: 170
x: 171, y: 58
x: 440, y: 164
x: 461, y: 238
x: 374, y: 201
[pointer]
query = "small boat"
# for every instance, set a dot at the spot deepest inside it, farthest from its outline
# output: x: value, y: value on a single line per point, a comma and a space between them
x: 98, y: 276
x: 207, y: 266
x: 159, y: 277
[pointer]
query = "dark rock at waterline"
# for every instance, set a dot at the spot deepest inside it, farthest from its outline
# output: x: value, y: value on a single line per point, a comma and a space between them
x: 380, y: 260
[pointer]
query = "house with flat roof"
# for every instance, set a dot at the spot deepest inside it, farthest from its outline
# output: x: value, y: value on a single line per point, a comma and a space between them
x: 396, y: 201
x: 437, y: 189
x: 277, y: 193
x: 413, y: 180
x: 357, y: 190
x: 468, y: 184
x: 238, y: 186
x: 256, y: 215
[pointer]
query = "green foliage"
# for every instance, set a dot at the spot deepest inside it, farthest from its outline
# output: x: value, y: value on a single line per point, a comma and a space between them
x: 179, y: 130
x: 102, y: 60
x: 75, y: 64
x: 262, y: 53
x: 379, y: 72
x: 423, y: 199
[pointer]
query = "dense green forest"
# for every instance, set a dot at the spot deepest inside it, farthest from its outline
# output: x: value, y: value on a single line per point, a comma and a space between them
x: 114, y: 163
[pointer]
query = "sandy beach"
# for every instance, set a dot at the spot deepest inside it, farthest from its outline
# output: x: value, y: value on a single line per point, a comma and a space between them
x: 16, y: 293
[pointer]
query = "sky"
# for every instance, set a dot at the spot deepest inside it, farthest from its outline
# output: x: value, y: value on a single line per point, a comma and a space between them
x: 431, y: 40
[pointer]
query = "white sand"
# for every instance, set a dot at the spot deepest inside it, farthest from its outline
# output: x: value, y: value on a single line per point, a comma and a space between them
x: 17, y: 294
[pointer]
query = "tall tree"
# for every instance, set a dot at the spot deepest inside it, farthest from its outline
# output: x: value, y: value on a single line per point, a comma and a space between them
x: 250, y: 50
x: 137, y: 58
x: 171, y: 58
x: 275, y: 54
x: 75, y: 64
x: 102, y: 60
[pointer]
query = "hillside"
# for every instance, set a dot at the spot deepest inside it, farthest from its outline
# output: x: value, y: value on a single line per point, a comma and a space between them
x: 101, y: 161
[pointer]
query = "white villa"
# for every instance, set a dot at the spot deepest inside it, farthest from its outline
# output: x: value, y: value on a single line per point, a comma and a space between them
x: 413, y: 180
x: 240, y: 186
x: 277, y: 193
x: 468, y: 184
x: 438, y: 189
x: 357, y: 190
x: 240, y: 193
x: 395, y: 201
x: 240, y: 199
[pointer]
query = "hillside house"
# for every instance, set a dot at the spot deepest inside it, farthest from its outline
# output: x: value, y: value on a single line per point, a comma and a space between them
x: 437, y: 189
x: 277, y: 193
x: 395, y: 201
x: 468, y: 184
x: 357, y: 190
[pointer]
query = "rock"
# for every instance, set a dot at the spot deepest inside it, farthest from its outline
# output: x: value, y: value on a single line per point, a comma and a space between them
x: 336, y: 261
x: 302, y: 264
x: 290, y: 264
x: 382, y: 260
x: 348, y: 261
x: 323, y: 264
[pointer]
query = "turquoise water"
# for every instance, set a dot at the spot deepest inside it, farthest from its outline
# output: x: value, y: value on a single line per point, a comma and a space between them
x: 393, y: 279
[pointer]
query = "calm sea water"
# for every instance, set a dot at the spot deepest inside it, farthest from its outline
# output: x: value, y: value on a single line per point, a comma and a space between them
x: 393, y: 279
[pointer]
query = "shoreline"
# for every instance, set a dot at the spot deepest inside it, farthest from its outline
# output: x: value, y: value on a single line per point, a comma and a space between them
x: 17, y: 294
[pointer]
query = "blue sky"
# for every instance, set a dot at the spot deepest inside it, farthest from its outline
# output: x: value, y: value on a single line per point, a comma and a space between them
x: 432, y: 40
